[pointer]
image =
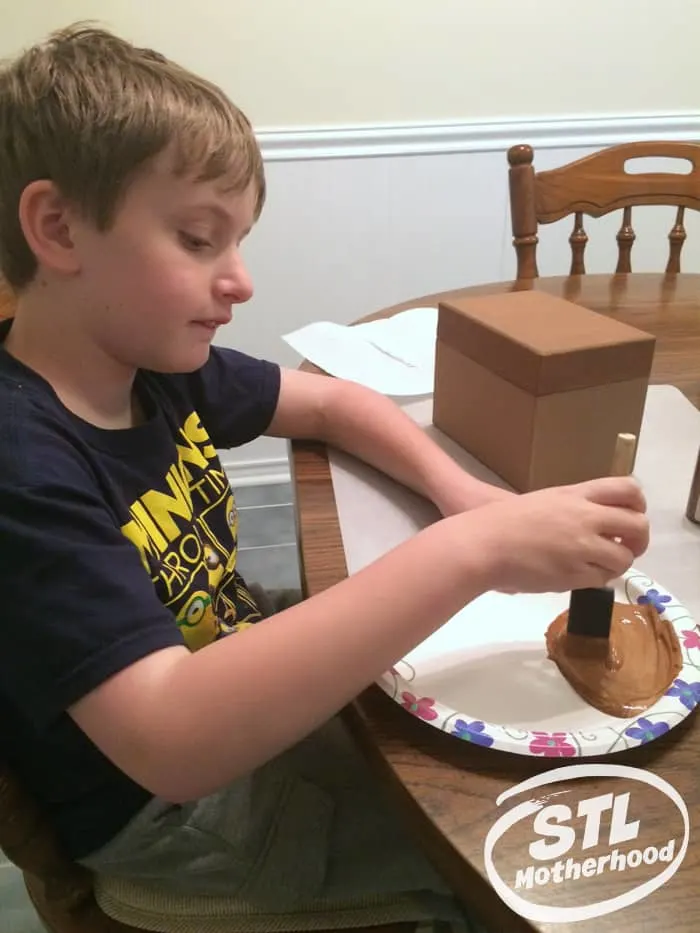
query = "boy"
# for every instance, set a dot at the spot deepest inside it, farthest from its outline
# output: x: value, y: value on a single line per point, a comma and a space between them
x: 162, y: 748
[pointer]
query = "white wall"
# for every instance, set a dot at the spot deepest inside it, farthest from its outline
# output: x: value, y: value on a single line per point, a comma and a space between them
x: 337, y: 62
x: 391, y: 203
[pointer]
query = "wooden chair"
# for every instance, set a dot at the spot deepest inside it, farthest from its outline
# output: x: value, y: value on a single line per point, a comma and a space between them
x: 7, y: 300
x: 60, y: 890
x: 597, y: 185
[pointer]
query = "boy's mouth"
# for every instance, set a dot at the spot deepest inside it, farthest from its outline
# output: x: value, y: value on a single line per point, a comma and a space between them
x: 211, y: 324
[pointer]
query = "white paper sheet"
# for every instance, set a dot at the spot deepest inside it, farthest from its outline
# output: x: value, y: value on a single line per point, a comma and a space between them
x: 395, y: 356
x: 376, y: 514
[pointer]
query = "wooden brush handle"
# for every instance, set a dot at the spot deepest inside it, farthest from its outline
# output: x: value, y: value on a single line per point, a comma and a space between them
x: 623, y: 458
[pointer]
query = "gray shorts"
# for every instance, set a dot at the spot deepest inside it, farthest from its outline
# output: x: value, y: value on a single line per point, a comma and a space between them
x: 310, y: 827
x: 308, y: 830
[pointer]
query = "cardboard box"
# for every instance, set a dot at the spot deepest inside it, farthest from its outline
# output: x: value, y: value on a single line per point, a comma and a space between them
x: 536, y: 387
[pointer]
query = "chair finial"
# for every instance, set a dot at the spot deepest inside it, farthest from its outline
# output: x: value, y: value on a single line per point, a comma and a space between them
x: 520, y: 155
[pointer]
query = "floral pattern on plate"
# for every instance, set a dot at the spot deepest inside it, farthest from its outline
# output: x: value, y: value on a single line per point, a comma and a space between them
x: 402, y: 683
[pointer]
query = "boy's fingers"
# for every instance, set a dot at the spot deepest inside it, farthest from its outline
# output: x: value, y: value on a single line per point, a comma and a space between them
x: 619, y: 491
x: 632, y: 528
x: 613, y: 558
x: 615, y: 522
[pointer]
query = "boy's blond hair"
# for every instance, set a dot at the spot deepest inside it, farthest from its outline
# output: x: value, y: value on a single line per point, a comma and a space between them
x: 87, y: 110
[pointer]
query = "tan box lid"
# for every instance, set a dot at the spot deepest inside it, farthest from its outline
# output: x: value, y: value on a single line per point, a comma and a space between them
x: 542, y: 343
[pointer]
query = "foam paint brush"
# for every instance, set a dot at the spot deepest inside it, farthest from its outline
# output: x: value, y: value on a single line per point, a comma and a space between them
x: 590, y: 610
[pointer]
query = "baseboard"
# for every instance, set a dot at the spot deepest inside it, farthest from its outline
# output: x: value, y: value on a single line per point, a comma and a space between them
x: 257, y: 472
x: 344, y: 142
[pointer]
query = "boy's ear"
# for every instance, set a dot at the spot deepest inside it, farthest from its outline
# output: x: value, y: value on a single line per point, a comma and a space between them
x: 46, y: 219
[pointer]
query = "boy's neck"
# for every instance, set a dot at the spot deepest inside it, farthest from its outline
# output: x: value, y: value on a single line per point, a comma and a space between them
x: 47, y: 337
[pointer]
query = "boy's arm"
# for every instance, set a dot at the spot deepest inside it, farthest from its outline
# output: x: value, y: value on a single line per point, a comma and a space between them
x: 374, y: 429
x: 183, y: 725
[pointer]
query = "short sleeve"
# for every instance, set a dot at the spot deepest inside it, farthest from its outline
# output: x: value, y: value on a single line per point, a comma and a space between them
x: 78, y: 605
x: 235, y: 395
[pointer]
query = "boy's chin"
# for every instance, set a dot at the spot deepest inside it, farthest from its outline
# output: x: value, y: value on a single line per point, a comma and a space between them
x: 186, y: 362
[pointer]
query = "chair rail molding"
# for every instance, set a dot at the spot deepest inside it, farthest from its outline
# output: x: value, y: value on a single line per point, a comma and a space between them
x: 364, y: 141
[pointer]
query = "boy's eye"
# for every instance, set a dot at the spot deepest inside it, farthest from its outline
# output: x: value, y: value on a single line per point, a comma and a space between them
x: 192, y: 242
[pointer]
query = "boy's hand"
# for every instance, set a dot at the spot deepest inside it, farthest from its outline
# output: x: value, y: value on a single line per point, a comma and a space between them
x: 564, y: 538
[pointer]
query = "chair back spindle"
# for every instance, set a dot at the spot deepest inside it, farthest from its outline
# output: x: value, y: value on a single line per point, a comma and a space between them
x: 595, y: 186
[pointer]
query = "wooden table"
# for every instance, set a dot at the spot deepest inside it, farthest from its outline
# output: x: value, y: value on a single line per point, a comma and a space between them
x: 449, y: 789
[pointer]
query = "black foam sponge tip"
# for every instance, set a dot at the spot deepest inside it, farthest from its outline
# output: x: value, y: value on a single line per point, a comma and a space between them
x: 590, y: 612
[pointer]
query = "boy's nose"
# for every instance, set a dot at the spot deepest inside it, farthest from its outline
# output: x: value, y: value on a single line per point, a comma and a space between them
x: 235, y: 284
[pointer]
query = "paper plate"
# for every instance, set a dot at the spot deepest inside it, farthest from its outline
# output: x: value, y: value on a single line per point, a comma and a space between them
x: 485, y: 678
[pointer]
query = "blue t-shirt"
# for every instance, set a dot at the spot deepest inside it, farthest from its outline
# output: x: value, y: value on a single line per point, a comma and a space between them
x: 113, y: 544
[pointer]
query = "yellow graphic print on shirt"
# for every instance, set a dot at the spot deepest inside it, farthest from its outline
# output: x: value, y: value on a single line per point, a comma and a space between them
x: 187, y: 538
